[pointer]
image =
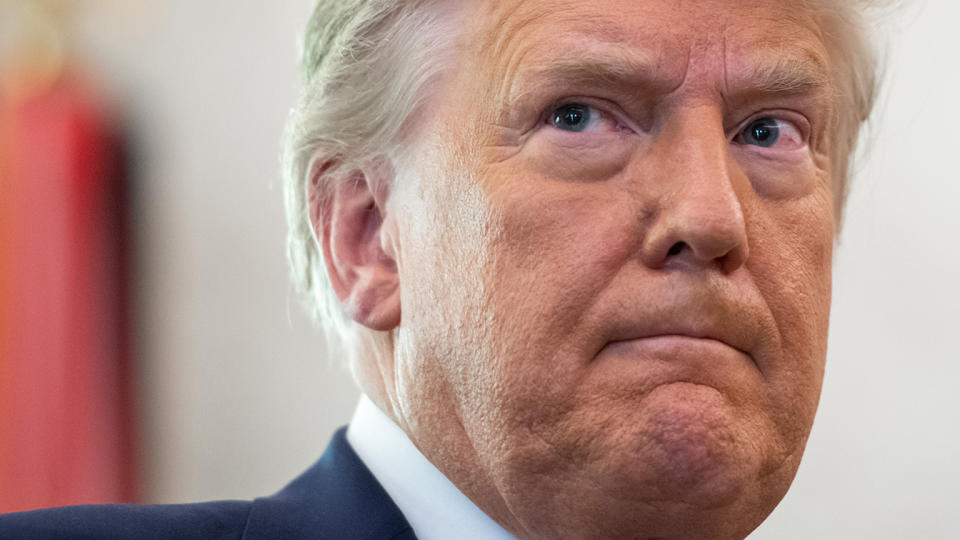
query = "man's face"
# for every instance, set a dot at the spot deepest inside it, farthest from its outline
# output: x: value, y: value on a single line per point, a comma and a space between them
x: 614, y: 257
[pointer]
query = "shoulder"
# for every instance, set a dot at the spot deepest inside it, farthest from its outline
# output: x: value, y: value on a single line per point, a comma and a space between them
x: 336, y: 498
x: 221, y: 519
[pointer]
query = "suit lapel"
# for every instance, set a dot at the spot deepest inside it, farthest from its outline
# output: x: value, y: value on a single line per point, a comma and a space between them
x: 337, y: 497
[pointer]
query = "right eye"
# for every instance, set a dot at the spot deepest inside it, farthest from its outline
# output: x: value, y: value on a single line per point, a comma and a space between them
x: 574, y: 117
x: 579, y: 117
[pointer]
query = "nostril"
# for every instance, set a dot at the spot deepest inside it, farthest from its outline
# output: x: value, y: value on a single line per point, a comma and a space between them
x: 676, y: 248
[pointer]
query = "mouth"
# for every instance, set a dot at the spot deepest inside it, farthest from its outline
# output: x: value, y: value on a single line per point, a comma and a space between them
x: 708, y: 344
x: 738, y: 336
x: 697, y: 325
x: 679, y: 339
x: 699, y: 319
x: 677, y: 346
x: 666, y: 359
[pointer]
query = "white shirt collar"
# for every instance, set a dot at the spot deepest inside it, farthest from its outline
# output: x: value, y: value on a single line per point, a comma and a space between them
x: 433, y: 506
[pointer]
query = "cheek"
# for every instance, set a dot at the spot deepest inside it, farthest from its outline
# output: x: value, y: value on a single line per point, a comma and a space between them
x: 558, y: 247
x: 500, y: 319
x: 797, y: 275
x: 792, y: 269
x: 444, y: 229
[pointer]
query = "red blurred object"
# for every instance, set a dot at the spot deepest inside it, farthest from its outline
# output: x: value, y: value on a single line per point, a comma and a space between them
x: 65, y: 407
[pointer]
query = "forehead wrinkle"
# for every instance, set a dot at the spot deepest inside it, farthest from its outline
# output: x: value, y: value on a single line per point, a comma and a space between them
x: 610, y: 47
x: 508, y: 24
x: 504, y: 22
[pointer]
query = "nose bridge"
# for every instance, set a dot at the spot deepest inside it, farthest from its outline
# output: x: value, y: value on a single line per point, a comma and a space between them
x: 699, y: 216
x: 696, y: 145
x: 702, y: 169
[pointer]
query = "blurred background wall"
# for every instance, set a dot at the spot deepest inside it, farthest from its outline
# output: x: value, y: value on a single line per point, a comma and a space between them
x: 236, y: 397
x: 232, y: 394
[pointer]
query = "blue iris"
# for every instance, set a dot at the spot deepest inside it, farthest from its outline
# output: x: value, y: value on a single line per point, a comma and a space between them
x: 573, y: 117
x: 762, y: 132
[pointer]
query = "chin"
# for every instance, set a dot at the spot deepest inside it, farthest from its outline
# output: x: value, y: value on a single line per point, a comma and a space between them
x: 681, y: 462
x: 685, y: 473
x: 685, y: 445
x: 687, y: 451
x: 691, y: 484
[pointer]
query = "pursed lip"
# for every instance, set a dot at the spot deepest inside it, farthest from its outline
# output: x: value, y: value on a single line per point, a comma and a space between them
x: 730, y: 323
x: 685, y: 335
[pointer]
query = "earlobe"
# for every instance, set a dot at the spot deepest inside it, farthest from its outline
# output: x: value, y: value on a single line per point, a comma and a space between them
x: 348, y: 219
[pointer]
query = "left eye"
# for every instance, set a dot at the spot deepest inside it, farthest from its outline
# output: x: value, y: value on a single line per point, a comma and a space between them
x: 767, y: 131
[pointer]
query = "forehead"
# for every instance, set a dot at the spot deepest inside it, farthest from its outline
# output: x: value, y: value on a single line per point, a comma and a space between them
x: 668, y: 37
x: 637, y: 22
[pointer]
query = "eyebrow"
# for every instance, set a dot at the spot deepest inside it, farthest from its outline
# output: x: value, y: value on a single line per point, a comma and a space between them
x: 638, y: 68
x: 777, y: 72
x: 765, y: 71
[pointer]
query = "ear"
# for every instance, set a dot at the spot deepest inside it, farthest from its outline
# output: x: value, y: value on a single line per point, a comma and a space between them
x: 349, y: 223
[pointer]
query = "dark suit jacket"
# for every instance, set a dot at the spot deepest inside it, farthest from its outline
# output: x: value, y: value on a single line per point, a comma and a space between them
x: 337, y: 497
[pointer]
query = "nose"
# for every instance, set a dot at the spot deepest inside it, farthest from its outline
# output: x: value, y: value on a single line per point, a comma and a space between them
x: 698, y: 219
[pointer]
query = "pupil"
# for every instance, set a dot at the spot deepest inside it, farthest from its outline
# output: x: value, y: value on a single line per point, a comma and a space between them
x: 764, y: 132
x: 571, y: 118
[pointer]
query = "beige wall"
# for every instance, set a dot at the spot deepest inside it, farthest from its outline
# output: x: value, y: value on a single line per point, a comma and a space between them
x: 883, y: 461
x: 238, y: 398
